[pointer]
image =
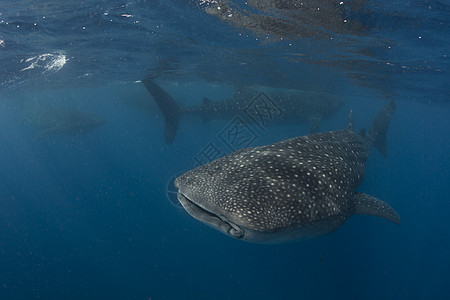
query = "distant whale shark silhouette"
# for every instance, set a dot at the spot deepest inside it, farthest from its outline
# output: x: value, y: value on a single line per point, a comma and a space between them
x: 50, y: 119
x: 297, y: 188
x: 295, y: 106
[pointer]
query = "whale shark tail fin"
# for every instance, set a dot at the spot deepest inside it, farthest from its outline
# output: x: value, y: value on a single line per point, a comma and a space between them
x: 169, y: 108
x: 377, y: 133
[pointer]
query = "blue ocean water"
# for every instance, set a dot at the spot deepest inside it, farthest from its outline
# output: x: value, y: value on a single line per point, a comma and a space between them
x: 87, y: 216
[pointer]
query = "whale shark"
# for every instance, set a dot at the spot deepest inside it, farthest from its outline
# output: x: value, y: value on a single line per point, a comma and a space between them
x: 298, y: 188
x: 62, y: 120
x: 293, y: 106
x: 287, y: 18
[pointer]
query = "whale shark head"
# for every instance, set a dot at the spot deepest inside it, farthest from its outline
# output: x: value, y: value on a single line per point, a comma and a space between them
x: 228, y: 195
x: 267, y: 194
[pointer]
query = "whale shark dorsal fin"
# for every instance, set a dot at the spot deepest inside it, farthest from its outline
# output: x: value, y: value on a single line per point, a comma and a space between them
x: 206, y: 101
x: 314, y: 123
x: 205, y: 115
x: 369, y: 205
x: 351, y: 122
x: 244, y: 92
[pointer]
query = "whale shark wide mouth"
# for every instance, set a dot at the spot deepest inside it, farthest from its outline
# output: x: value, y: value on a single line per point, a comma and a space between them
x: 210, y: 218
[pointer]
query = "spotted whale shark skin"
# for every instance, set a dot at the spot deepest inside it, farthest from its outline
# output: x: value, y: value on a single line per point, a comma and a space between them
x: 294, y: 189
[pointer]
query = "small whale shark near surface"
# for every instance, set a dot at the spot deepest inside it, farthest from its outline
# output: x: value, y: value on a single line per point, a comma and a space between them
x: 297, y: 188
x: 295, y: 107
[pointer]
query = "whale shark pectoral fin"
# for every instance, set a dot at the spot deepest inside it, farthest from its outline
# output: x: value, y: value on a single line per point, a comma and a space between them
x: 368, y: 205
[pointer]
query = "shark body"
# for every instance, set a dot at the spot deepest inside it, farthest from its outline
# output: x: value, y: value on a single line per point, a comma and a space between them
x: 60, y: 120
x: 297, y: 188
x: 292, y: 107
